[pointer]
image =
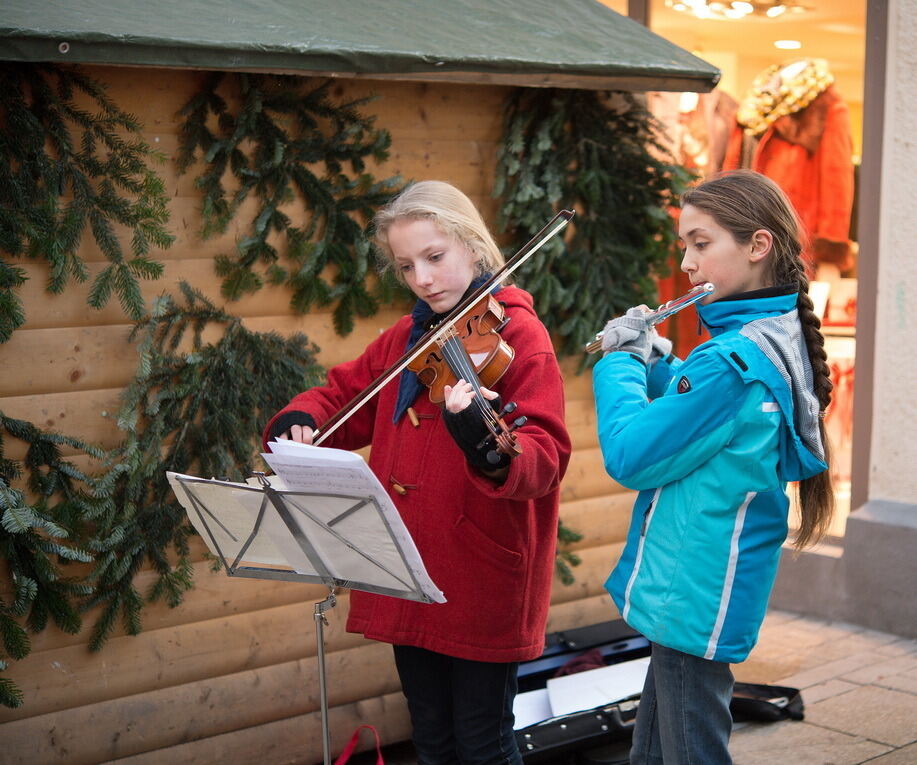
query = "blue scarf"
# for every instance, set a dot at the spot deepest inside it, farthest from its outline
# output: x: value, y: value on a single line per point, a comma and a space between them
x: 409, y: 385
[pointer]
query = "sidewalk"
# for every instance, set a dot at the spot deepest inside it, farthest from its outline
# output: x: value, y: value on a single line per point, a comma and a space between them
x: 859, y: 688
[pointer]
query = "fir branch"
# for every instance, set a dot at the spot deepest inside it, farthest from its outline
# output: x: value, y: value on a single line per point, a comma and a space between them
x: 12, y: 315
x: 563, y: 566
x: 194, y: 407
x: 565, y: 560
x: 289, y: 132
x: 37, y: 534
x: 601, y: 155
x: 63, y: 167
x: 15, y: 639
x: 10, y: 694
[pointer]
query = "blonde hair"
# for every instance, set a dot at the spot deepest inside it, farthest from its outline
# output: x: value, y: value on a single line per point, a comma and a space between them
x: 452, y: 212
x: 743, y: 202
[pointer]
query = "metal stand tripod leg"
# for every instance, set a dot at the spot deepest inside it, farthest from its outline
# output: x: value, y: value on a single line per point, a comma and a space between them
x: 320, y: 621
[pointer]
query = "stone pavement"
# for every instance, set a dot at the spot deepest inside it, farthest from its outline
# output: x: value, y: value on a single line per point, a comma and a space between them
x: 859, y: 688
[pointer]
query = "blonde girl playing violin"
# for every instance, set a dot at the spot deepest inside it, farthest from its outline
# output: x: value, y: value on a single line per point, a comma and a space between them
x: 486, y: 528
x: 711, y: 452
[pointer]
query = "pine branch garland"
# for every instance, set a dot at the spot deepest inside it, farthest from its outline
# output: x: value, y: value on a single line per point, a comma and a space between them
x: 292, y: 128
x: 194, y: 408
x: 600, y: 155
x: 10, y: 694
x: 38, y: 535
x: 12, y: 314
x: 64, y: 170
x: 565, y: 559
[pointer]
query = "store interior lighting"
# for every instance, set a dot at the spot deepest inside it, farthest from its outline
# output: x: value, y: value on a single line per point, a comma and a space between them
x: 704, y: 9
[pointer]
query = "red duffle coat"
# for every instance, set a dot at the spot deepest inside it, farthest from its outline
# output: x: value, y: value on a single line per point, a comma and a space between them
x: 490, y: 548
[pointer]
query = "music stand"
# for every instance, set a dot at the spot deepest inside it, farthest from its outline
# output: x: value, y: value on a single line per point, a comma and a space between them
x: 262, y: 531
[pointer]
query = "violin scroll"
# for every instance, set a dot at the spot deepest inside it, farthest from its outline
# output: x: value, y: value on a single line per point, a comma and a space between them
x: 487, y: 440
x: 502, y: 435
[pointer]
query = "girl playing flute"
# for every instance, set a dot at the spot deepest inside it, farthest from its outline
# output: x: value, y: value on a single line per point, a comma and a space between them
x: 711, y: 445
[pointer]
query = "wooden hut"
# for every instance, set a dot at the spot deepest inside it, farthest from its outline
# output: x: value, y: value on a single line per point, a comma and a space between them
x: 231, y: 674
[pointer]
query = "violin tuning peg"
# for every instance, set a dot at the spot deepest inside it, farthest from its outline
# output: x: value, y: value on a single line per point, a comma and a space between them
x: 508, y: 408
x: 519, y: 422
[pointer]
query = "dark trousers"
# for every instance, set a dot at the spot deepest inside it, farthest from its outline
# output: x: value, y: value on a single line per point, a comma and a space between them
x: 461, y: 710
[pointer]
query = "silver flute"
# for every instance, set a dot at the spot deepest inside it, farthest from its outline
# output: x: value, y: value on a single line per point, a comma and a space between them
x: 663, y: 312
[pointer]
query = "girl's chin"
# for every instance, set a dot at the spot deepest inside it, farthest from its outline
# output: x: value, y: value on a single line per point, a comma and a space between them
x: 443, y: 304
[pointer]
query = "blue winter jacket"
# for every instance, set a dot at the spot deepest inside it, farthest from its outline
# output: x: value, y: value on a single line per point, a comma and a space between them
x: 711, y: 458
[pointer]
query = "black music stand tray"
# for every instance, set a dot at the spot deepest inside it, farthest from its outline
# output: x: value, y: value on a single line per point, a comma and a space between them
x: 337, y: 539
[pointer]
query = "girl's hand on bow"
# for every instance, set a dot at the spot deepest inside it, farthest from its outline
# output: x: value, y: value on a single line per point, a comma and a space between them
x: 293, y: 426
x: 300, y: 433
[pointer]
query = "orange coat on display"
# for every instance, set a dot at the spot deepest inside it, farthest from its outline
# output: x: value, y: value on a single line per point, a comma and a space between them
x: 809, y: 155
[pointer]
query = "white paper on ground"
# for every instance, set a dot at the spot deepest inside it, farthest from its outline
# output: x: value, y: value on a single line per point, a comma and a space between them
x: 531, y: 707
x: 596, y: 687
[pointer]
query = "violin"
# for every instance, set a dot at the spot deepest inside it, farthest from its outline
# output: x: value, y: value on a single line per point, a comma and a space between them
x: 475, y: 335
x: 474, y: 351
x: 448, y: 327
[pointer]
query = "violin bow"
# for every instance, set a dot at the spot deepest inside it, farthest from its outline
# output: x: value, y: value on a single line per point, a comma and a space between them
x: 553, y: 227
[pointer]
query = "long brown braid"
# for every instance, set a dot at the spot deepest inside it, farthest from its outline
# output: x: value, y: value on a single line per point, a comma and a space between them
x: 743, y: 202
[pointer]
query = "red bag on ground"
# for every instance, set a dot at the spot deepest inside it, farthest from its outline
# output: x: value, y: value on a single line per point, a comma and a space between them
x: 352, y: 744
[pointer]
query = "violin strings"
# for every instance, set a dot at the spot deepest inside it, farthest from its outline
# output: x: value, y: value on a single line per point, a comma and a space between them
x: 460, y: 363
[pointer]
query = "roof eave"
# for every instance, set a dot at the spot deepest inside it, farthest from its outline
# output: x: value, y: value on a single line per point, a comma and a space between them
x: 33, y: 49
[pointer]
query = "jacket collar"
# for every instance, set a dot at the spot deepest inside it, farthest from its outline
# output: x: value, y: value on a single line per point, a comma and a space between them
x: 736, y: 311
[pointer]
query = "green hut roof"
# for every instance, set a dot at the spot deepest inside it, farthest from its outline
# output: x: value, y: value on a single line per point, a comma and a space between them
x: 562, y: 43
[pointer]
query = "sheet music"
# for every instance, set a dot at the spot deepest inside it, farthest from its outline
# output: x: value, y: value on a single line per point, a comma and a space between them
x: 328, y: 472
x: 531, y: 707
x: 332, y: 521
x: 595, y: 687
x: 302, y: 467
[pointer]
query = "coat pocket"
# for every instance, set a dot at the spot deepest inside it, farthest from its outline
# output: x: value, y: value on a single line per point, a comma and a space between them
x: 493, y: 552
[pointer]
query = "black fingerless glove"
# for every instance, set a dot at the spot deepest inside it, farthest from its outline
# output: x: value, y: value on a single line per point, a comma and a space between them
x: 287, y: 420
x: 468, y: 429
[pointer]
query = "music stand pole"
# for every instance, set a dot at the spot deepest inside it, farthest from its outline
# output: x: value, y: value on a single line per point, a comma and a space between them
x: 319, y: 615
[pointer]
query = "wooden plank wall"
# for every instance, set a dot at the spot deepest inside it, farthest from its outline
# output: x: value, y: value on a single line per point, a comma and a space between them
x: 231, y: 675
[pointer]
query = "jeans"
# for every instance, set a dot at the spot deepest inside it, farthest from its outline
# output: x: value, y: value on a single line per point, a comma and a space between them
x: 683, y: 717
x: 461, y: 710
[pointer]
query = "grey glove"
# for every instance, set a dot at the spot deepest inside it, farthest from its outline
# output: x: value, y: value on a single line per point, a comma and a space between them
x: 629, y: 333
x: 660, y: 348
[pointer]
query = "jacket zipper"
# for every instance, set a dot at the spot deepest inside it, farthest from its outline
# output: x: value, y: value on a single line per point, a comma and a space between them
x: 647, y: 516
